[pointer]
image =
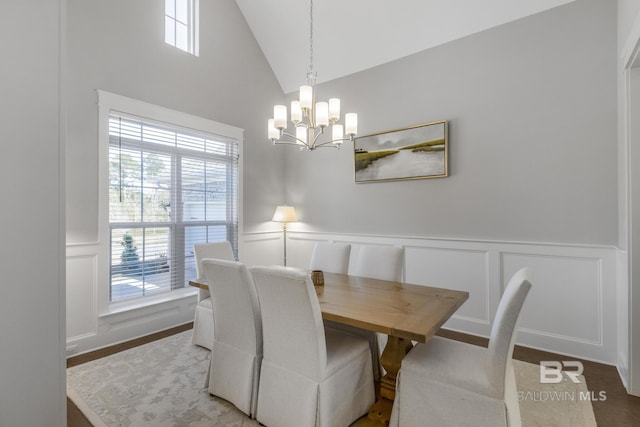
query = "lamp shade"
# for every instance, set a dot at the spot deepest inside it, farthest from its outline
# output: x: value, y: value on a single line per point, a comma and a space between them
x: 285, y: 214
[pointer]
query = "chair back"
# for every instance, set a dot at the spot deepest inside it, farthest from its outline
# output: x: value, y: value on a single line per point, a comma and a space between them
x: 236, y: 311
x: 379, y: 262
x: 330, y: 257
x: 213, y: 250
x: 503, y: 332
x: 292, y: 328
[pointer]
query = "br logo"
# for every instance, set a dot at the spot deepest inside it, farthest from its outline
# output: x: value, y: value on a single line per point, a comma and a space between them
x: 551, y: 371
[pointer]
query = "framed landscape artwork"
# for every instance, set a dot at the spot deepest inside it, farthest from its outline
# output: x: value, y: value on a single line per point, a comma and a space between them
x: 415, y: 152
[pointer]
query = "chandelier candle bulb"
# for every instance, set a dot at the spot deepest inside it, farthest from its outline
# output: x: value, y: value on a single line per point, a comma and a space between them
x: 337, y: 133
x: 273, y: 132
x: 296, y: 112
x: 280, y: 116
x: 306, y: 96
x: 301, y: 134
x: 334, y: 109
x: 322, y: 114
x: 351, y: 123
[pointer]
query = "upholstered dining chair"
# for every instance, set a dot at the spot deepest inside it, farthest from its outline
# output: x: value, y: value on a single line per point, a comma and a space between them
x: 234, y: 368
x: 379, y: 262
x: 203, y: 320
x: 384, y: 263
x: 330, y: 257
x: 309, y: 377
x: 450, y: 383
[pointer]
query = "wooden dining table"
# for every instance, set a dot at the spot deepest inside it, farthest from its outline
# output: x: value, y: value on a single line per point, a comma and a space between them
x: 404, y: 312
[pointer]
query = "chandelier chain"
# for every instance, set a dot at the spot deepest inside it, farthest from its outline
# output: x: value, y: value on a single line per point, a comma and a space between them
x: 310, y: 74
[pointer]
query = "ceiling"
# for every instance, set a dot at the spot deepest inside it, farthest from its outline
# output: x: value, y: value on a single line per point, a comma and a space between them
x: 354, y: 35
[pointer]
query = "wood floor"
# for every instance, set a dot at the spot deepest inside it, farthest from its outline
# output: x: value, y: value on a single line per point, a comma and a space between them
x: 618, y: 410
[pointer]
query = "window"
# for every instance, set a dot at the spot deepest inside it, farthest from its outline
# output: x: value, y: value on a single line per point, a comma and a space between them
x: 181, y: 24
x: 169, y: 187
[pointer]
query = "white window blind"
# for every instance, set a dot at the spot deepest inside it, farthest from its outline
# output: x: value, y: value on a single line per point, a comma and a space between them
x: 168, y: 189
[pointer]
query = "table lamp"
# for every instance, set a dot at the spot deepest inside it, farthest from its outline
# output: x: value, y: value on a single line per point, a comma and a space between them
x: 285, y: 214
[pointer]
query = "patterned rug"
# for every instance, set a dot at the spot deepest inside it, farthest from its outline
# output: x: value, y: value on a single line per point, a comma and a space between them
x: 162, y: 384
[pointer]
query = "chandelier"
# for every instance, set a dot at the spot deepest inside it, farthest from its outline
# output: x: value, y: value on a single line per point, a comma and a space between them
x: 311, y: 119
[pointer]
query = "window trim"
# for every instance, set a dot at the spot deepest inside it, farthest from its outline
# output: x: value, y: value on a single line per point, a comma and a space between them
x: 108, y: 102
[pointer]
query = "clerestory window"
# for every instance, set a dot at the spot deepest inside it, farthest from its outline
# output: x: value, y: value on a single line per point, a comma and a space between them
x: 181, y: 24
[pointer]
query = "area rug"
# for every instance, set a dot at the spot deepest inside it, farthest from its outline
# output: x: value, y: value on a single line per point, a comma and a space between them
x: 565, y: 404
x: 162, y: 384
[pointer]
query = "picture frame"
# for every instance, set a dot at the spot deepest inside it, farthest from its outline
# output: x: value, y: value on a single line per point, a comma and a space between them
x: 415, y: 152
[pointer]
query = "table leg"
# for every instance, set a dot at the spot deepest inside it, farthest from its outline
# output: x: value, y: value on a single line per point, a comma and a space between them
x: 392, y: 356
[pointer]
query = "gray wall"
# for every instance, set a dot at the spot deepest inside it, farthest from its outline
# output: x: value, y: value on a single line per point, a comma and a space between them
x: 118, y: 46
x: 532, y: 112
x: 32, y: 384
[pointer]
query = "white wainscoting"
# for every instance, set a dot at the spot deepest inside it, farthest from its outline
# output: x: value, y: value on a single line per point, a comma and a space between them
x: 88, y: 329
x: 81, y: 292
x: 571, y: 308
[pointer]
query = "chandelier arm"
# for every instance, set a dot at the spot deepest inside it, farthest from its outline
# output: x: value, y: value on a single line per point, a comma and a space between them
x: 326, y: 145
x: 280, y: 142
x: 317, y: 135
x: 283, y: 133
x: 329, y: 144
x: 334, y: 142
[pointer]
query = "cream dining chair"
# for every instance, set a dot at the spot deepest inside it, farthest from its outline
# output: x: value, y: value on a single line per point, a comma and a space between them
x: 379, y: 262
x: 236, y: 355
x: 309, y: 377
x: 449, y: 383
x: 333, y: 257
x: 384, y: 263
x: 330, y: 257
x: 203, y: 320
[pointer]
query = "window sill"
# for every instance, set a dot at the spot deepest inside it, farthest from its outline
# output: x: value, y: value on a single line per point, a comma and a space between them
x: 131, y: 305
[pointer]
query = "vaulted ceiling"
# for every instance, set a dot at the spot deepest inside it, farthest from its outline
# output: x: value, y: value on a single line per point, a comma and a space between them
x: 354, y: 35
